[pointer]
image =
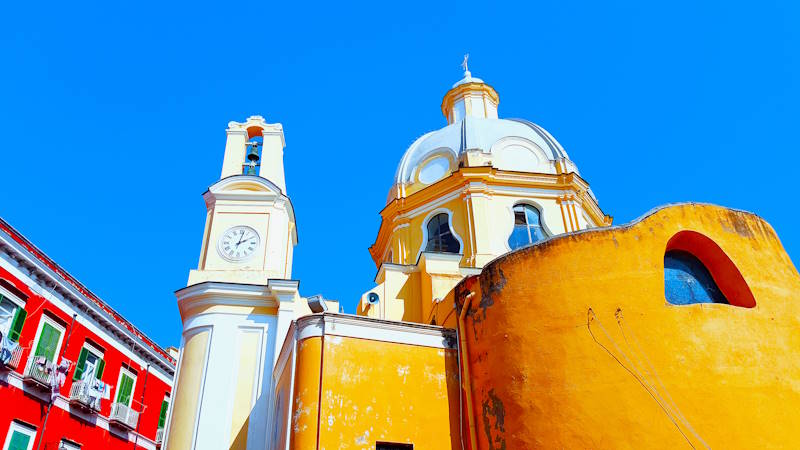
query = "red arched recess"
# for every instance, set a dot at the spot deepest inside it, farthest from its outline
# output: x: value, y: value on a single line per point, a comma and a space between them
x: 254, y: 132
x: 722, y: 269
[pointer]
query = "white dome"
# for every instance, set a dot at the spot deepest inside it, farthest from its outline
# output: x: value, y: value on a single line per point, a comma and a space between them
x: 510, y: 144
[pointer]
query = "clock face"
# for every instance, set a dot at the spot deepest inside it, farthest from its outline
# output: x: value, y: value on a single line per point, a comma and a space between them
x: 238, y: 243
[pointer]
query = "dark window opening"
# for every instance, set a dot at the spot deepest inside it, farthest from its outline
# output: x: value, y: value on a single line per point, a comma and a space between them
x: 440, y: 238
x: 393, y: 446
x: 688, y: 281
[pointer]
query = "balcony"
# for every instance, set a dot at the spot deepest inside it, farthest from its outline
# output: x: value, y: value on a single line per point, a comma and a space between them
x: 159, y: 436
x: 80, y: 395
x: 39, y: 375
x: 15, y: 357
x: 123, y: 416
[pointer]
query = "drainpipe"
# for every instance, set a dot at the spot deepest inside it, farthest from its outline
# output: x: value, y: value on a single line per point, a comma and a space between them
x: 465, y: 368
x: 50, y: 405
x: 138, y: 422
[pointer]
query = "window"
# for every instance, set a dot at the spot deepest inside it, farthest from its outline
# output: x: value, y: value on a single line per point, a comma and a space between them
x: 19, y: 437
x: 527, y: 227
x: 162, y: 417
x: 90, y: 363
x: 440, y: 238
x: 687, y: 281
x: 66, y: 444
x: 697, y: 270
x: 393, y: 446
x: 48, y: 340
x: 125, y: 385
x: 12, y: 317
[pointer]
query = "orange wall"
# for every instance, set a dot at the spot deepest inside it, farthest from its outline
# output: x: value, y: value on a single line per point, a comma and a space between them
x: 374, y: 391
x: 636, y: 371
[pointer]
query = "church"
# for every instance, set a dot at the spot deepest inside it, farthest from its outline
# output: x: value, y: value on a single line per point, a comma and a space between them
x: 507, y: 311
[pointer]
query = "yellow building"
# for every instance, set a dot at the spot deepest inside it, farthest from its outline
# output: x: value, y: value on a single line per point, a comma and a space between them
x: 465, y: 194
x: 507, y: 314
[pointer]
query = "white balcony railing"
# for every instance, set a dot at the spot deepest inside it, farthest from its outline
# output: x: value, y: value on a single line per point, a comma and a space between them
x: 80, y: 394
x: 123, y: 415
x: 159, y: 436
x: 39, y: 374
x: 13, y: 363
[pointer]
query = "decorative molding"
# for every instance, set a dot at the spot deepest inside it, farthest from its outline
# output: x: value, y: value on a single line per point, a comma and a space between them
x: 361, y: 327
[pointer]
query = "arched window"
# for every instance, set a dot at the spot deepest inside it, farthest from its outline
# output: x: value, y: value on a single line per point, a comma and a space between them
x: 687, y: 280
x: 527, y: 227
x: 697, y: 270
x: 440, y: 238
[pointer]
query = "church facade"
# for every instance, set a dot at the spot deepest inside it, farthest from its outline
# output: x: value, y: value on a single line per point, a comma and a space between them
x: 507, y: 311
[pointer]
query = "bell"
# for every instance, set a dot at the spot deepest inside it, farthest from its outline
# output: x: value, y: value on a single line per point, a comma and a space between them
x: 252, y: 154
x: 251, y: 168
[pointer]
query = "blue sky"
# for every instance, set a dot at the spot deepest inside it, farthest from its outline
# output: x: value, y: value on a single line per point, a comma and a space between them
x: 113, y: 116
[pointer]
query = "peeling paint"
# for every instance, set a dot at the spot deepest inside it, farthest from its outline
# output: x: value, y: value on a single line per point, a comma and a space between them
x: 494, y: 417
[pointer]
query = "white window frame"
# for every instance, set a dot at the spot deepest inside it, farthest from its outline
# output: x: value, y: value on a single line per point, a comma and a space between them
x: 54, y: 324
x: 128, y: 372
x: 68, y: 444
x: 12, y: 298
x: 20, y: 428
x: 93, y: 350
x: 169, y: 405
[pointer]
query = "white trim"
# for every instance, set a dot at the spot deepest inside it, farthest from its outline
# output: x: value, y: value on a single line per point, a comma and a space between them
x: 67, y: 298
x: 134, y: 376
x: 425, y: 221
x: 91, y: 348
x: 56, y: 325
x: 11, y: 297
x: 22, y: 429
x: 68, y: 444
x: 344, y: 325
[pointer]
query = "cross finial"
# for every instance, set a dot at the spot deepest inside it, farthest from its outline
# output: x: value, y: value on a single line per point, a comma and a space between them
x: 464, y: 63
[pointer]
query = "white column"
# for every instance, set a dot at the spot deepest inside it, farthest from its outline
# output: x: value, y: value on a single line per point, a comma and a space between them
x: 272, y: 156
x: 235, y: 148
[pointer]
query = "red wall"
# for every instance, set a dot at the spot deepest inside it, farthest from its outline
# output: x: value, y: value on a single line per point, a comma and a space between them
x: 21, y: 406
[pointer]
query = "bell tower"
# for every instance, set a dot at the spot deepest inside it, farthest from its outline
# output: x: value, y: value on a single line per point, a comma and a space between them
x: 239, y: 301
x: 250, y: 229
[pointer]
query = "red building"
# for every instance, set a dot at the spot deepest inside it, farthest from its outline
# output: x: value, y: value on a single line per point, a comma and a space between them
x: 74, y: 374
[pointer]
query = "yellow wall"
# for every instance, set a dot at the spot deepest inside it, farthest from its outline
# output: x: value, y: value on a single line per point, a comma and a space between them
x: 245, y: 378
x: 305, y: 407
x: 636, y: 371
x: 375, y: 391
x: 181, y: 430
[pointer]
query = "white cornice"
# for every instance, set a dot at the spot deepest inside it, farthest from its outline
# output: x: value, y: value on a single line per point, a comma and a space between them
x: 346, y: 325
x: 212, y: 293
x: 51, y: 282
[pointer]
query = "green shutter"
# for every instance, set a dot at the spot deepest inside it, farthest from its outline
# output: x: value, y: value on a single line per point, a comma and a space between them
x: 101, y: 365
x: 16, y: 324
x: 19, y: 441
x: 162, y: 418
x: 48, y: 340
x: 124, y: 392
x: 81, y: 365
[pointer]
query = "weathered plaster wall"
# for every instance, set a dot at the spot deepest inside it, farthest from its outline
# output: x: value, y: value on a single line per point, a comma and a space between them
x: 374, y: 391
x: 571, y: 343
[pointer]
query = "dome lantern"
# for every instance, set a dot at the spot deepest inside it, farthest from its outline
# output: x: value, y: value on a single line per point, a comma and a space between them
x: 470, y: 97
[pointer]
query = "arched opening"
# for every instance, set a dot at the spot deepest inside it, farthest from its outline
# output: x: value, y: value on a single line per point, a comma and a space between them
x: 527, y: 227
x: 440, y: 238
x: 252, y: 159
x: 696, y: 270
